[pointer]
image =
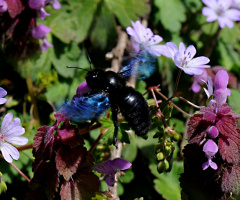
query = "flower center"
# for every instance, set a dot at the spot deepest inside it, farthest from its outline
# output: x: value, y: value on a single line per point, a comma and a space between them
x: 220, y: 10
x: 2, y: 138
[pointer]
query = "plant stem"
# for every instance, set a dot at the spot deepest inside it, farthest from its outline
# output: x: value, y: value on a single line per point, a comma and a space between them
x: 28, y: 146
x: 177, y: 81
x: 18, y: 170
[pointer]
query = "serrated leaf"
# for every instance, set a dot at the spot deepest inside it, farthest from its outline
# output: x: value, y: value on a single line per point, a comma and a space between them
x: 108, y: 136
x: 103, y: 37
x: 167, y: 184
x: 126, y: 10
x: 106, y: 122
x: 171, y: 14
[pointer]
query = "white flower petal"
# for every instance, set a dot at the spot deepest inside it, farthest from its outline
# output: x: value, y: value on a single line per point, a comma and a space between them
x: 15, y: 131
x: 3, y: 92
x: 3, y: 100
x: 223, y: 21
x: 158, y: 50
x: 190, y: 52
x: 210, y: 3
x: 9, y: 152
x: 172, y: 48
x: 233, y: 14
x: 211, y: 14
x: 6, y: 121
x: 193, y: 71
x: 17, y: 140
x: 199, y: 61
x: 182, y: 48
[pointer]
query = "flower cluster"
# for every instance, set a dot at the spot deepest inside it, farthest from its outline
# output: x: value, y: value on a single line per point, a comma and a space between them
x: 144, y: 39
x: 20, y: 17
x: 214, y: 130
x: 9, y: 134
x: 41, y: 31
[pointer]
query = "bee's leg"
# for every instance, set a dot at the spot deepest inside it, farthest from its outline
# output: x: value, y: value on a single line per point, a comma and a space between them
x: 114, y: 109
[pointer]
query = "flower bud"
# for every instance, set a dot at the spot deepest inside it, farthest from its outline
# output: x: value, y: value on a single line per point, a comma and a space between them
x: 160, y: 156
x: 213, y: 132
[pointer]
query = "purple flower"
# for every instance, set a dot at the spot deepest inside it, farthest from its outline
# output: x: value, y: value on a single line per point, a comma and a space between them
x: 110, y: 168
x: 3, y: 6
x: 220, y: 10
x: 144, y: 39
x: 56, y: 5
x: 221, y: 91
x: 210, y: 148
x: 183, y: 58
x: 40, y: 32
x: 82, y: 89
x: 198, y: 80
x: 39, y: 5
x: 10, y: 132
x: 3, y: 93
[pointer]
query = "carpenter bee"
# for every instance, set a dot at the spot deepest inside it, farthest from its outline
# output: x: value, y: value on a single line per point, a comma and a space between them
x: 109, y: 89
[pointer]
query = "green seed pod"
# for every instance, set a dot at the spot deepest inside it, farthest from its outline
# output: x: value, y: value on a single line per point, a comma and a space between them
x: 160, y: 156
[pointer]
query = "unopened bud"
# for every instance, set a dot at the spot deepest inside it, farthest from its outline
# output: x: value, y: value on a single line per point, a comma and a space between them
x: 160, y: 156
x: 213, y: 132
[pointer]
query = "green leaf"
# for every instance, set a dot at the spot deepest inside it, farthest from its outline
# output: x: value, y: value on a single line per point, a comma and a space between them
x: 167, y: 184
x: 171, y: 14
x: 62, y: 23
x: 129, y: 152
x: 128, y: 176
x: 193, y: 5
x: 103, y: 37
x: 83, y: 12
x: 123, y: 136
x: 65, y: 55
x: 233, y: 100
x: 57, y: 93
x: 230, y: 36
x: 179, y: 125
x: 228, y: 56
x: 126, y: 10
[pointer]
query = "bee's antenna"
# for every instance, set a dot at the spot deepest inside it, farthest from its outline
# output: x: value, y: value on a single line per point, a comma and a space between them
x: 89, y: 59
x: 77, y: 68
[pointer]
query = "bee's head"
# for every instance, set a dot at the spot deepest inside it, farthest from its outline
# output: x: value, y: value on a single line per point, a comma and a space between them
x: 95, y: 78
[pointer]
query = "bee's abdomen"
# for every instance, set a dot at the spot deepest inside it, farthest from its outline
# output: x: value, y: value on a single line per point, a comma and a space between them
x: 135, y: 110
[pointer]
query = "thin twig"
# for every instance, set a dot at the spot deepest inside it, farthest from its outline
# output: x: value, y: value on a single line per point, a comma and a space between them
x: 175, y: 106
x: 87, y: 129
x: 28, y: 146
x: 189, y: 102
x: 18, y: 170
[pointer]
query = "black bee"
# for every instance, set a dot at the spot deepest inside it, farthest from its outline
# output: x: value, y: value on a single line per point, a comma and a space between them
x: 109, y: 89
x: 131, y: 103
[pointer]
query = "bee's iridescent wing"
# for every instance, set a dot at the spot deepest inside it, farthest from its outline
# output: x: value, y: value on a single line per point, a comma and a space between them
x: 142, y: 66
x: 85, y: 108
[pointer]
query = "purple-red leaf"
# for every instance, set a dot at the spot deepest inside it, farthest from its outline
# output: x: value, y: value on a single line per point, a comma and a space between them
x: 15, y: 7
x: 84, y: 185
x: 228, y: 150
x: 197, y: 128
x: 68, y: 160
x: 231, y: 180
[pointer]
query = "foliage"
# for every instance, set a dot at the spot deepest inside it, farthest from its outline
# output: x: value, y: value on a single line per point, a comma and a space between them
x: 60, y: 153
